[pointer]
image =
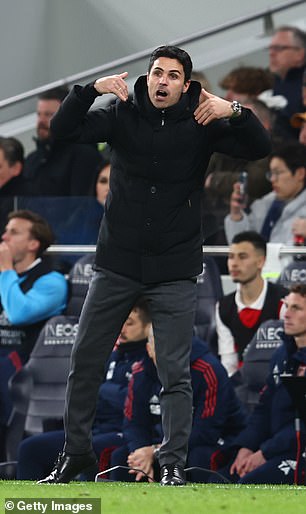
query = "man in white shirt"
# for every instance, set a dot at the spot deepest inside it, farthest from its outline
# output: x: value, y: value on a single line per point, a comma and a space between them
x: 239, y: 314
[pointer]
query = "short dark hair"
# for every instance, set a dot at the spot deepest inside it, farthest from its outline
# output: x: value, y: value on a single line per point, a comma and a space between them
x: 142, y: 306
x: 57, y: 93
x: 12, y: 149
x: 293, y: 154
x: 298, y: 289
x: 173, y: 52
x: 40, y: 230
x: 253, y: 237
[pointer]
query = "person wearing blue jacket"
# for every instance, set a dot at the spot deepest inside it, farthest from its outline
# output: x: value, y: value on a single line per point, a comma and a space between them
x: 217, y: 415
x: 31, y: 291
x: 37, y: 453
x: 269, y: 446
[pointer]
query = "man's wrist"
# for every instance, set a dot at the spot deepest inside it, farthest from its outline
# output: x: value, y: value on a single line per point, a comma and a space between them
x: 236, y: 109
x: 156, y: 451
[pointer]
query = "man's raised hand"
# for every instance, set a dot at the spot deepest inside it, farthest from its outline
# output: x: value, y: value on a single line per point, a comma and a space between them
x: 211, y: 107
x: 113, y: 84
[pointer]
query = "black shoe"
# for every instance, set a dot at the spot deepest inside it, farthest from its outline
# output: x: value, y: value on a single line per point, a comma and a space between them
x: 172, y: 475
x: 68, y: 466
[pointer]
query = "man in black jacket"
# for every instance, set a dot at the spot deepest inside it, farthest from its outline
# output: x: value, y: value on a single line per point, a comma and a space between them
x: 56, y: 168
x: 150, y: 241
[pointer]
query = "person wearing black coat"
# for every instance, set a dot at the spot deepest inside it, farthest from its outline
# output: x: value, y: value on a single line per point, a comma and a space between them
x: 56, y: 168
x: 150, y: 239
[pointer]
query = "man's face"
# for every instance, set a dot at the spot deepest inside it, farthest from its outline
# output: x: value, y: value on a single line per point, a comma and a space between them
x: 133, y: 329
x: 18, y: 237
x: 102, y: 185
x: 285, y: 185
x: 6, y: 170
x: 45, y: 110
x: 244, y: 262
x: 295, y: 315
x: 284, y: 53
x: 166, y: 82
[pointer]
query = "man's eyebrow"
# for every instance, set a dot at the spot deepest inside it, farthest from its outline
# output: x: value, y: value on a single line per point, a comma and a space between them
x: 169, y: 71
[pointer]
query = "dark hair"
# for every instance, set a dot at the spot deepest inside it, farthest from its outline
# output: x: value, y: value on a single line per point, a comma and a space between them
x: 293, y: 154
x: 40, y: 230
x: 142, y: 306
x: 247, y: 80
x: 173, y: 52
x: 298, y: 289
x: 250, y: 236
x: 57, y: 93
x: 12, y: 149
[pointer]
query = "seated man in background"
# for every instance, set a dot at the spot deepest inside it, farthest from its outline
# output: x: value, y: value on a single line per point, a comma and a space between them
x: 273, y: 215
x: 11, y: 165
x: 11, y: 178
x: 269, y: 449
x: 239, y: 314
x: 217, y: 415
x: 30, y: 293
x: 58, y: 168
x: 287, y: 60
x: 38, y: 453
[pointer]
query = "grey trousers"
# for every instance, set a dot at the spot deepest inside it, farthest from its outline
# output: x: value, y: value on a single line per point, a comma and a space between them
x: 109, y: 301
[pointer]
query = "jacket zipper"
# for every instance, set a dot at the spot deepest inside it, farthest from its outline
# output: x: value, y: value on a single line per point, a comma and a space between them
x: 163, y: 118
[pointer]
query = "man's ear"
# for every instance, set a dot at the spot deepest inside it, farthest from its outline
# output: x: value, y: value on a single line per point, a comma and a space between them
x: 34, y: 245
x: 186, y: 86
x: 16, y: 169
x: 301, y: 173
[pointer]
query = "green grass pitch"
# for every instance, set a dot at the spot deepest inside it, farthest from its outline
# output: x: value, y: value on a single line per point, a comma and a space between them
x: 143, y: 498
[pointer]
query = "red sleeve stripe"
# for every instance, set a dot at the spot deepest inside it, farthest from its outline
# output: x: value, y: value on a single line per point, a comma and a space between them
x: 212, y: 387
x: 128, y: 407
x: 16, y: 361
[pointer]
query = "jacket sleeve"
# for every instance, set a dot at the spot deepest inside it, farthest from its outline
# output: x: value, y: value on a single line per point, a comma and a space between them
x: 73, y: 122
x: 137, y: 424
x: 243, y: 137
x: 210, y: 394
x: 226, y: 345
x: 46, y: 298
x: 114, y: 393
x: 280, y: 443
x: 252, y: 221
x: 257, y: 430
x: 84, y: 165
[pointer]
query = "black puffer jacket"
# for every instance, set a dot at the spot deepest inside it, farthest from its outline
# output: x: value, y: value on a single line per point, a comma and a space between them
x: 151, y: 230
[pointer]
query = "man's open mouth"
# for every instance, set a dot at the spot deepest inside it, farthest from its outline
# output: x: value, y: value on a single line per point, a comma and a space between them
x: 161, y: 93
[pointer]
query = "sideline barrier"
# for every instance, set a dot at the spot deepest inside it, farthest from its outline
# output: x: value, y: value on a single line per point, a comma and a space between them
x: 287, y: 251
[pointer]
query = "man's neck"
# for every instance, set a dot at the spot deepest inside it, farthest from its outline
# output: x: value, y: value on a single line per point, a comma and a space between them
x: 25, y: 264
x: 4, y: 181
x: 301, y: 341
x: 250, y: 291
